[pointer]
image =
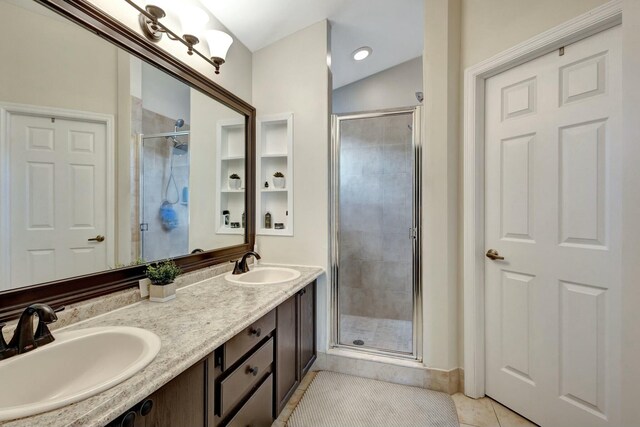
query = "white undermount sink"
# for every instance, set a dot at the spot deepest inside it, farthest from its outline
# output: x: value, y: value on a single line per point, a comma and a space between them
x: 77, y: 365
x: 264, y: 276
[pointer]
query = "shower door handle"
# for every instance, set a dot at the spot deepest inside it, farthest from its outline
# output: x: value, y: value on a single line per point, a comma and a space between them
x: 98, y: 239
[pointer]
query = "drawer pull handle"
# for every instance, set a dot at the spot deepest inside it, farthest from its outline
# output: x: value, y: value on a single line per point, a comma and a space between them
x: 146, y: 407
x: 253, y: 371
x: 255, y: 331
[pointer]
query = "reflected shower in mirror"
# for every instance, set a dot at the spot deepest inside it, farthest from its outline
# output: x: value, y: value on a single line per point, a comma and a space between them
x: 105, y: 160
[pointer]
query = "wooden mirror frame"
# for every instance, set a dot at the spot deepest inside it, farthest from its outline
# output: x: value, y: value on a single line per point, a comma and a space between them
x: 68, y: 291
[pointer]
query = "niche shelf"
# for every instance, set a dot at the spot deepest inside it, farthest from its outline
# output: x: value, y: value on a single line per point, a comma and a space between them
x: 274, y: 153
x: 230, y: 160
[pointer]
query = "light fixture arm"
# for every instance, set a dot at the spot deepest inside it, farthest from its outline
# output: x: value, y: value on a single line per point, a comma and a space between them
x: 153, y: 29
x: 149, y: 22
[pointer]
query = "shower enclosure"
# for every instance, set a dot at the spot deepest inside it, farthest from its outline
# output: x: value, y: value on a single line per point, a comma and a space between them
x: 375, y: 211
x: 164, y: 194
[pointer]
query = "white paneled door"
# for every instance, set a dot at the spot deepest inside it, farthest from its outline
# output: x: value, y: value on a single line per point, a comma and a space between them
x: 58, y: 198
x: 552, y: 210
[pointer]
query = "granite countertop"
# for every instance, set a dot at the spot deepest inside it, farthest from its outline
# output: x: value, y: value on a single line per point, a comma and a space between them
x: 202, y: 317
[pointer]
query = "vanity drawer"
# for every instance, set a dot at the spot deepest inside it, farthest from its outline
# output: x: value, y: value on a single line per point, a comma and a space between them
x: 257, y: 411
x: 245, y: 377
x: 239, y: 345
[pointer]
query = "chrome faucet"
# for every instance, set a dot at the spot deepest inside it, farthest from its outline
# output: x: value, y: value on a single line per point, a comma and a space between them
x: 24, y: 339
x: 241, y: 266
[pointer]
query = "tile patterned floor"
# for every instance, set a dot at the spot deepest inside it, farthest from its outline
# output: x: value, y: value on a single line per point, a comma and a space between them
x: 295, y: 399
x: 385, y: 334
x: 483, y: 412
x: 486, y: 412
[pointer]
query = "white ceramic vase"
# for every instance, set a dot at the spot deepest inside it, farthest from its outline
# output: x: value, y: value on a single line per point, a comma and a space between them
x: 234, y: 184
x: 278, y: 182
x: 162, y: 293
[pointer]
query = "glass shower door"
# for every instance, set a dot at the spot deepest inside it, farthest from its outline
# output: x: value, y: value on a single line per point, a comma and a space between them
x: 164, y: 202
x: 375, y: 231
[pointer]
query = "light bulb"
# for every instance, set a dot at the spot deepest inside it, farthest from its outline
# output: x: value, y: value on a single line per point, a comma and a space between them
x: 219, y: 43
x: 361, y: 53
x: 192, y: 20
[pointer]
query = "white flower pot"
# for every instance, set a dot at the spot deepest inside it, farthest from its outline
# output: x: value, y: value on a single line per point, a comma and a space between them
x: 164, y: 293
x: 278, y: 182
x: 234, y: 184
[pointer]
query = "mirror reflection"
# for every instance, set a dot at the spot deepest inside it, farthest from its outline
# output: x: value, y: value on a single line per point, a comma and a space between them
x: 105, y: 160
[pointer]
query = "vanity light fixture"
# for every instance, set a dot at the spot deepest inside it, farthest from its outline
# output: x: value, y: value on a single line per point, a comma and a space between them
x: 219, y: 43
x: 361, y: 53
x: 192, y: 21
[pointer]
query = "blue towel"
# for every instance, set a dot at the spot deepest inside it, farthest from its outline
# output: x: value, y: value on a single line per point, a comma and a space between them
x: 168, y: 216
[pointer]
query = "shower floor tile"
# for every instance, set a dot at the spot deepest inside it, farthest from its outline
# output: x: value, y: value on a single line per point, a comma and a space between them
x: 383, y: 334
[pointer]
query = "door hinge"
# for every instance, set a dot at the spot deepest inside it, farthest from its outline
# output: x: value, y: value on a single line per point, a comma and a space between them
x: 413, y: 232
x: 144, y: 227
x: 561, y: 51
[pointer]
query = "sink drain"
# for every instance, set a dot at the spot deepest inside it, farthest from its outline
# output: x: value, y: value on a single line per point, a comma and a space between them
x: 358, y: 342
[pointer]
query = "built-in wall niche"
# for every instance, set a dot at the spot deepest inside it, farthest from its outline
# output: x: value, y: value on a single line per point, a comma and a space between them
x: 230, y: 212
x: 275, y: 154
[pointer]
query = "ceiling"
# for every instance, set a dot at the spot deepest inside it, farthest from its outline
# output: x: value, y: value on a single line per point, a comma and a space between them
x: 392, y: 28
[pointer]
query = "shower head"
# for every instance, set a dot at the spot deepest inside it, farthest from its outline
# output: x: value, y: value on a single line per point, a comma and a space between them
x: 180, y: 148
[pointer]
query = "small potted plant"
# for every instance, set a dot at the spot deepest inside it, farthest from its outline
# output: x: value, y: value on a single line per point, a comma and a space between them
x: 162, y: 276
x: 278, y: 180
x: 234, y: 181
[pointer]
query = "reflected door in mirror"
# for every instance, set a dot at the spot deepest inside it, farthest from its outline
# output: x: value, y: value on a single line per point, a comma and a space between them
x: 58, y: 188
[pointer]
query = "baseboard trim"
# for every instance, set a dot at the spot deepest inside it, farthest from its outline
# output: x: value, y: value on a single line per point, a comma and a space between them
x: 396, y: 371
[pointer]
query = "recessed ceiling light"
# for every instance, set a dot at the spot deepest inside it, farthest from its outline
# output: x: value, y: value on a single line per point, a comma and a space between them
x: 361, y: 53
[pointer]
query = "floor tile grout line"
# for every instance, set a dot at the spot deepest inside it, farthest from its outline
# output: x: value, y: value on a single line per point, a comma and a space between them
x: 495, y: 412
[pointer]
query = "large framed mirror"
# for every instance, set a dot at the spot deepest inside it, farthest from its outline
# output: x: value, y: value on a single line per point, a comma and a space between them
x: 113, y: 154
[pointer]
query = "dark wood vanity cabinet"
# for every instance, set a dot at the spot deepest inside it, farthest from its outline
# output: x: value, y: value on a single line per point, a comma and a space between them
x: 246, y: 381
x: 287, y: 377
x: 307, y: 319
x: 295, y: 343
x: 181, y: 402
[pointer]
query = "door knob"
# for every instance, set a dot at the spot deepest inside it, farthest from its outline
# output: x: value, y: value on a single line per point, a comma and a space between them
x: 494, y: 255
x: 98, y: 239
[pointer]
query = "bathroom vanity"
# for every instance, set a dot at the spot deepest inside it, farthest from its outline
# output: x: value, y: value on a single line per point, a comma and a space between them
x: 231, y: 355
x: 245, y: 382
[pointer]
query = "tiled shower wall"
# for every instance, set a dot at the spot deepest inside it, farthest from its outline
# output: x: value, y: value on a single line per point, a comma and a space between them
x: 376, y: 199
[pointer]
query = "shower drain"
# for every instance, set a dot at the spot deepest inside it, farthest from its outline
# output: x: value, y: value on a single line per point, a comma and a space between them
x: 358, y: 342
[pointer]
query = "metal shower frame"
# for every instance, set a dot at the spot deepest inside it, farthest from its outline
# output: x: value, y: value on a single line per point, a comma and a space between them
x: 334, y: 232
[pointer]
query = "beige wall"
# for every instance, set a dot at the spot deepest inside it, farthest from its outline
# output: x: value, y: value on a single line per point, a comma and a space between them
x: 291, y: 75
x: 492, y: 26
x: 440, y: 232
x: 35, y: 67
x: 392, y: 88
